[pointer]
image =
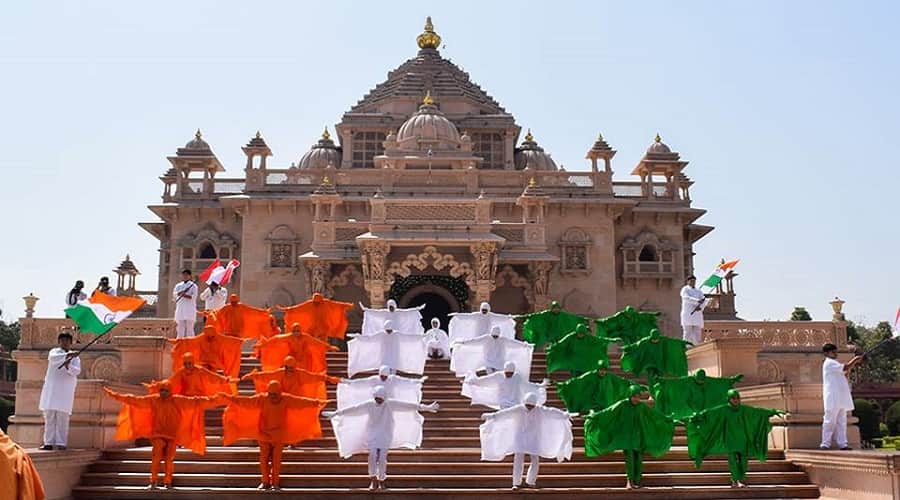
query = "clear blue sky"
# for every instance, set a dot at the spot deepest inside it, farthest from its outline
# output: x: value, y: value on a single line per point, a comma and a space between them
x: 787, y: 111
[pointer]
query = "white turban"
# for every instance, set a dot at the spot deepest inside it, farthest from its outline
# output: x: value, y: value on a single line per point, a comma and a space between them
x: 530, y: 399
x: 385, y: 370
x: 390, y: 303
x: 435, y: 323
x: 495, y: 331
x: 483, y: 306
x: 388, y: 325
x: 509, y: 366
x: 379, y: 392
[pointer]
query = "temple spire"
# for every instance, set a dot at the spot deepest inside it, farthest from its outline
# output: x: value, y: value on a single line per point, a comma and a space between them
x: 428, y: 39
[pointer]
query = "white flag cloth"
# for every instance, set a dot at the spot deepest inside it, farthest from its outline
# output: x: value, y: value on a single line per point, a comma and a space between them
x: 541, y: 431
x: 403, y: 352
x: 436, y: 338
x: 487, y: 352
x: 58, y: 392
x: 499, y: 391
x: 404, y: 320
x: 392, y: 424
x: 353, y: 392
x: 475, y: 324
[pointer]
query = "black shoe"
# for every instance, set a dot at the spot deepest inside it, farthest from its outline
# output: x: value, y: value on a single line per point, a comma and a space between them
x: 846, y: 448
x: 46, y: 447
x: 61, y: 448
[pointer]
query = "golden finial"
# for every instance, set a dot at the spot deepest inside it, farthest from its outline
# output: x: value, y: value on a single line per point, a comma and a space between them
x: 658, y: 138
x: 428, y: 100
x: 258, y: 135
x: 428, y: 39
x: 599, y: 136
x: 198, y: 134
x: 325, y: 180
x: 529, y: 137
x: 532, y: 183
x: 325, y: 134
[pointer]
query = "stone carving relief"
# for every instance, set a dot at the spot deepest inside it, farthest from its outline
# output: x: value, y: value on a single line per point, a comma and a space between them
x: 509, y: 276
x: 540, y: 274
x: 282, y: 242
x: 768, y: 371
x: 281, y: 296
x: 486, y: 258
x: 575, y: 244
x: 105, y: 367
x: 208, y: 233
x: 460, y: 213
x: 431, y: 257
x: 373, y: 257
x: 350, y: 275
x: 281, y: 255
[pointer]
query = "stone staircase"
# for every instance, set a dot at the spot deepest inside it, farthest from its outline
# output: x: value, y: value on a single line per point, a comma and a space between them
x: 447, y: 466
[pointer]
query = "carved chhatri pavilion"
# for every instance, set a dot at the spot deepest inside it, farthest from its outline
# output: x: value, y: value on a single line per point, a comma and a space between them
x: 429, y: 194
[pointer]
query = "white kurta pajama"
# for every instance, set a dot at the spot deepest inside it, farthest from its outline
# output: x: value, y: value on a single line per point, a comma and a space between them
x: 213, y: 301
x: 691, y: 317
x: 475, y: 324
x: 404, y: 320
x: 539, y: 432
x: 400, y: 351
x: 397, y: 388
x: 185, y: 308
x: 498, y: 391
x: 437, y: 341
x: 58, y: 395
x: 490, y: 354
x: 838, y: 401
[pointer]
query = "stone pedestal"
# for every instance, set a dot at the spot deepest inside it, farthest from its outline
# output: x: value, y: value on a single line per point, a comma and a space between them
x: 61, y: 471
x: 726, y: 357
x: 143, y: 358
x: 851, y: 475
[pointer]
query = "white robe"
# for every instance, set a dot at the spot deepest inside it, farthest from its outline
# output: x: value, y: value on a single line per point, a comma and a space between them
x: 403, y: 352
x: 436, y: 338
x: 487, y: 352
x: 392, y: 424
x: 214, y: 301
x: 475, y: 324
x: 542, y: 431
x: 58, y: 392
x: 499, y: 391
x: 185, y: 308
x: 835, y: 386
x: 690, y: 297
x: 404, y: 320
x: 353, y: 392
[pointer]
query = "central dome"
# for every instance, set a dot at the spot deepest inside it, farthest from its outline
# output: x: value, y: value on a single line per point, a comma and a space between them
x: 428, y: 125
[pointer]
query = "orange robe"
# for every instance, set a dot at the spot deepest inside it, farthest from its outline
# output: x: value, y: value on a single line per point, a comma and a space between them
x: 321, y: 318
x: 241, y: 320
x: 306, y: 349
x: 178, y: 418
x: 19, y: 479
x: 291, y: 420
x: 196, y: 381
x: 216, y: 352
x: 298, y: 382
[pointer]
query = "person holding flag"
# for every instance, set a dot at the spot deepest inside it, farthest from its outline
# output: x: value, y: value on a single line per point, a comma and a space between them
x: 836, y: 397
x: 692, y: 301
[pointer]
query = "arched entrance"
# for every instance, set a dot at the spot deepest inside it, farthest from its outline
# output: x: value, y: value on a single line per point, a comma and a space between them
x: 441, y: 295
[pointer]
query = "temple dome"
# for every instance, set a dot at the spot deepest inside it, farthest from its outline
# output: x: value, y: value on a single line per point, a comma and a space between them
x: 658, y: 146
x: 322, y: 154
x: 428, y: 124
x: 529, y: 154
x: 197, y: 142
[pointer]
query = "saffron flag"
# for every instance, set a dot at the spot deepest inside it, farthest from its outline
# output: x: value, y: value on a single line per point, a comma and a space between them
x: 217, y: 273
x: 101, y: 312
x: 719, y: 274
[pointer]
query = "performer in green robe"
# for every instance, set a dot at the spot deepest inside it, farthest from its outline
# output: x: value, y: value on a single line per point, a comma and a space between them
x: 656, y: 355
x: 550, y: 325
x: 595, y: 390
x: 577, y: 352
x: 740, y: 431
x: 629, y: 325
x: 630, y: 426
x: 680, y: 397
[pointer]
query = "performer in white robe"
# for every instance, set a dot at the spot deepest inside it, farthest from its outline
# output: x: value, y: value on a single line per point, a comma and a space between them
x: 503, y: 389
x: 58, y: 393
x: 526, y: 429
x: 836, y: 396
x: 377, y: 426
x: 692, y: 303
x: 354, y: 392
x: 405, y: 320
x: 475, y: 324
x: 437, y: 342
x: 400, y: 351
x: 185, y: 297
x: 490, y: 353
x: 214, y: 297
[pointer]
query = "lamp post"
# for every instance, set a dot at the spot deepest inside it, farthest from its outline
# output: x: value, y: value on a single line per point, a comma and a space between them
x: 30, y: 302
x: 837, y: 305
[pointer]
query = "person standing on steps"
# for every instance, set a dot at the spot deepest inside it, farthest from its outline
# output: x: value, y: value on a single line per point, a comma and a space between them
x: 185, y: 297
x: 58, y: 393
x: 836, y: 397
x: 692, y: 302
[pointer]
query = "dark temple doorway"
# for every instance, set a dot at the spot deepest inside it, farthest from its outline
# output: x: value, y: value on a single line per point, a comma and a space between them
x: 441, y: 295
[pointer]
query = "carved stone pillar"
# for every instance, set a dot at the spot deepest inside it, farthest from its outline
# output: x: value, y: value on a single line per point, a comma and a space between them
x: 374, y: 255
x: 485, y: 258
x: 319, y: 274
x: 540, y: 280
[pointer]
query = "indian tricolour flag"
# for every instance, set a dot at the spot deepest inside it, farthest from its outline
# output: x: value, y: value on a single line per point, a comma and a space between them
x: 719, y: 274
x: 100, y: 313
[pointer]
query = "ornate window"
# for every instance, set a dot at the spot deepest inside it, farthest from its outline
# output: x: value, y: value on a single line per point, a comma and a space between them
x: 283, y: 245
x: 490, y: 147
x: 366, y: 146
x: 575, y: 249
x: 648, y: 256
x: 199, y: 250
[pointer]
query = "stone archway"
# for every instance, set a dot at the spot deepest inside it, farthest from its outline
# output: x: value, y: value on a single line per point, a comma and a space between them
x: 441, y: 295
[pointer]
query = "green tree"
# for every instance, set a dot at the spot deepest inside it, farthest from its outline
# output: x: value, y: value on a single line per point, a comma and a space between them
x: 800, y: 314
x: 881, y: 366
x: 10, y: 334
x: 869, y: 419
x: 892, y: 419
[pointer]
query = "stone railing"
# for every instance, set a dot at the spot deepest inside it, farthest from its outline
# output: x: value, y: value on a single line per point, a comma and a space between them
x: 780, y: 335
x: 41, y: 333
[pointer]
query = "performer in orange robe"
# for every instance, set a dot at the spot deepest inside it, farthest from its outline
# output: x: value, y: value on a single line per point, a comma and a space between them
x: 293, y: 380
x: 19, y: 479
x: 240, y: 320
x: 319, y: 317
x: 272, y: 419
x: 306, y: 349
x: 211, y: 350
x: 168, y: 421
x: 192, y: 380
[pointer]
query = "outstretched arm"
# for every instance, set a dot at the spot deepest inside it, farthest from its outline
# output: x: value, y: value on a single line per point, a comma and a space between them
x: 131, y: 399
x: 301, y: 402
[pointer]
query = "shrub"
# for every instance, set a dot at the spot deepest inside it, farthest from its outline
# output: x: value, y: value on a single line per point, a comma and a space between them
x: 892, y: 419
x: 7, y: 408
x: 869, y: 418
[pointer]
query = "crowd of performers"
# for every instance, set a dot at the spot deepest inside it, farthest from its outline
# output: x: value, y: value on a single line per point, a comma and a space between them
x: 378, y: 409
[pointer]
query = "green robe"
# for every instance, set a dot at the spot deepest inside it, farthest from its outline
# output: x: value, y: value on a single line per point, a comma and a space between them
x: 628, y: 326
x: 683, y: 396
x: 729, y: 429
x: 591, y: 391
x: 548, y: 327
x: 664, y: 357
x: 578, y: 355
x: 626, y: 426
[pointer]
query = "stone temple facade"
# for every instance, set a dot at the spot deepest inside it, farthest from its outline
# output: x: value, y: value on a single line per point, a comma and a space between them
x: 430, y: 192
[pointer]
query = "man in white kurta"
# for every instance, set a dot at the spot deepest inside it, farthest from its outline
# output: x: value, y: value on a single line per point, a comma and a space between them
x: 404, y: 320
x: 185, y: 297
x: 836, y: 396
x: 377, y: 426
x: 692, y: 302
x: 504, y: 389
x: 58, y: 393
x: 475, y: 324
x: 437, y: 342
x: 489, y: 353
x: 526, y: 429
x: 398, y: 388
x: 214, y: 297
x: 400, y: 351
